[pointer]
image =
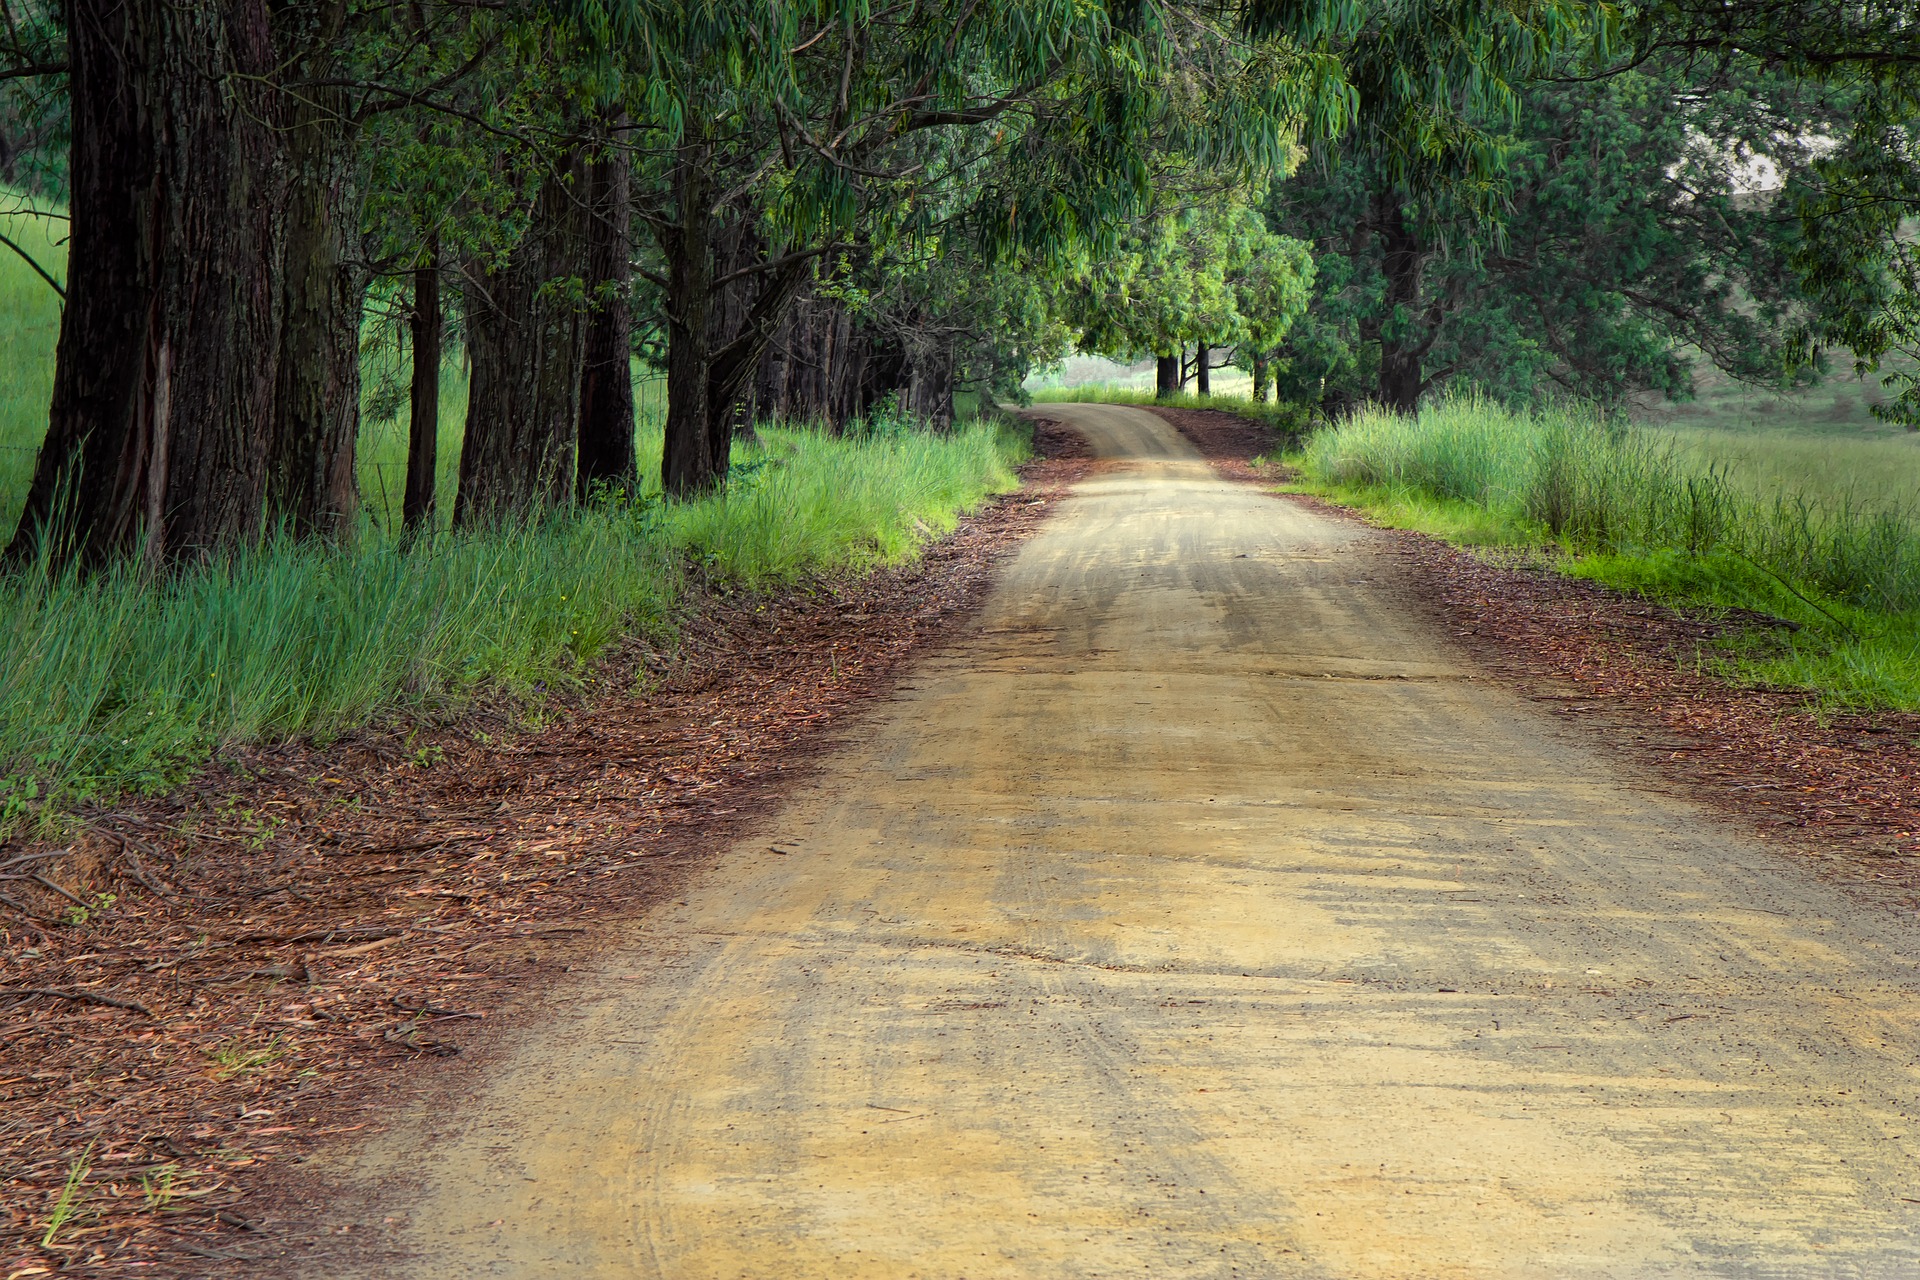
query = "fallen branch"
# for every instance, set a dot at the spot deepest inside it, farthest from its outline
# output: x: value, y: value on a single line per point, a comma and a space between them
x: 79, y: 997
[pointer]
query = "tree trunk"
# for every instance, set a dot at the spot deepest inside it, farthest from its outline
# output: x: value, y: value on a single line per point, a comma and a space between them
x: 312, y: 487
x: 1203, y: 370
x: 423, y: 426
x: 1166, y: 377
x: 1403, y: 262
x: 686, y: 462
x: 164, y: 378
x: 525, y: 335
x: 1262, y: 376
x: 606, y: 381
x: 930, y: 390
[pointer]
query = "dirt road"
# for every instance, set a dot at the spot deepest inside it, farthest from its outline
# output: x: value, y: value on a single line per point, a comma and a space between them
x: 1199, y: 913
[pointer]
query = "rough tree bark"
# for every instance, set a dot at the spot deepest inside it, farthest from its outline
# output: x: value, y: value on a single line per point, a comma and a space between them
x: 930, y: 388
x: 525, y: 333
x: 709, y: 371
x: 606, y: 379
x: 423, y: 423
x: 1403, y: 262
x: 168, y: 349
x: 312, y: 488
x: 686, y: 462
x: 1262, y: 376
x: 1166, y: 377
x: 1203, y: 370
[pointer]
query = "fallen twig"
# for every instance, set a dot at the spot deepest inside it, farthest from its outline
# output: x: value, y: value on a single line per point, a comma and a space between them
x: 82, y: 997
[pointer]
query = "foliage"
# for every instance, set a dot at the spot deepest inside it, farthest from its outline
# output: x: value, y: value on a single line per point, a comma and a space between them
x: 1624, y: 236
x: 1209, y: 273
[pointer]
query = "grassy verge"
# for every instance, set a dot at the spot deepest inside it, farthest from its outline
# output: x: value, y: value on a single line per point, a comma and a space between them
x: 120, y: 682
x: 1652, y: 514
x: 1285, y: 419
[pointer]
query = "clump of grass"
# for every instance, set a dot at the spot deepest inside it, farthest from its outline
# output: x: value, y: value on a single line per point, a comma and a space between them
x: 67, y: 1206
x: 235, y: 1058
x: 123, y: 681
x: 1636, y: 510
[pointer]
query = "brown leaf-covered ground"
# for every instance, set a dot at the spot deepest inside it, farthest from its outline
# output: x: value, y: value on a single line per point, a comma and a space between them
x: 196, y: 989
x: 1847, y: 786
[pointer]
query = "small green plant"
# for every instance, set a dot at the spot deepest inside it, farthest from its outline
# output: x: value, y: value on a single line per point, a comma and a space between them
x: 78, y: 915
x: 157, y: 1188
x: 67, y: 1206
x: 234, y: 1058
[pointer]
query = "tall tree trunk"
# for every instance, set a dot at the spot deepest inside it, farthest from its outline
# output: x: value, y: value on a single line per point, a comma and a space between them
x: 526, y: 338
x: 423, y: 425
x: 686, y: 462
x: 1262, y: 376
x: 1203, y: 370
x: 311, y: 486
x: 930, y: 390
x: 165, y: 373
x: 1403, y: 263
x: 1166, y: 377
x: 606, y: 380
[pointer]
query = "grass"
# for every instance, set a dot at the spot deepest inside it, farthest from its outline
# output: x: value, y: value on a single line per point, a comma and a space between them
x: 120, y: 681
x: 67, y: 1206
x: 1827, y: 543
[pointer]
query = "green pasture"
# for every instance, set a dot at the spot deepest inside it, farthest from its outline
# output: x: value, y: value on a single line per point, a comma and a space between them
x: 1819, y: 531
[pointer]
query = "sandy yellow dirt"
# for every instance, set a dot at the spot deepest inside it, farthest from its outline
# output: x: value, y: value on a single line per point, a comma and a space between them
x: 1200, y: 913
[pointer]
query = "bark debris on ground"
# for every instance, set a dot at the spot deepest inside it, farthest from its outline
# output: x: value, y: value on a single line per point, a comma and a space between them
x: 197, y: 989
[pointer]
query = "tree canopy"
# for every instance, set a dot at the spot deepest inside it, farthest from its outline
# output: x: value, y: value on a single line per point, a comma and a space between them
x: 813, y: 208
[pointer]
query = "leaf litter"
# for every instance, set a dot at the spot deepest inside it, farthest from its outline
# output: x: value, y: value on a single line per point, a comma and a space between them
x: 198, y: 989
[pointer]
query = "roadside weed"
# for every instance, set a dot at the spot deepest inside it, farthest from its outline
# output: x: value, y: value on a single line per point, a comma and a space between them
x: 234, y: 1058
x: 66, y: 1207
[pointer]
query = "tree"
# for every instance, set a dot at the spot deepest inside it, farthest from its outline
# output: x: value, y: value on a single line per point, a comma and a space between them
x: 1437, y: 84
x: 801, y: 132
x: 1623, y: 238
x: 1211, y: 275
x: 207, y: 381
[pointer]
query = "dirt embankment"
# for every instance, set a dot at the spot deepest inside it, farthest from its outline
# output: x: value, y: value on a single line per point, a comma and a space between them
x: 1837, y: 783
x: 195, y: 989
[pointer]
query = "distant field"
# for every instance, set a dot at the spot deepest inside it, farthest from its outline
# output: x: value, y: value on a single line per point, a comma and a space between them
x: 29, y: 330
x: 1822, y: 443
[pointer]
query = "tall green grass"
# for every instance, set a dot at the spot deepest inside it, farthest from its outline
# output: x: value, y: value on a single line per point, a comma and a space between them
x: 1647, y: 512
x: 29, y: 331
x: 121, y: 681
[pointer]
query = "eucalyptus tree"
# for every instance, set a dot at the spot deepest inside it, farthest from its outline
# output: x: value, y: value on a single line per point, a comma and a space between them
x: 1423, y: 170
x: 1626, y: 237
x: 790, y: 133
x: 207, y: 379
x: 1207, y: 275
x: 1857, y: 201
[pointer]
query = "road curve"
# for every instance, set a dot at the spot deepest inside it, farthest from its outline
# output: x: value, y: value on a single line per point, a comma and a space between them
x: 1201, y: 913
